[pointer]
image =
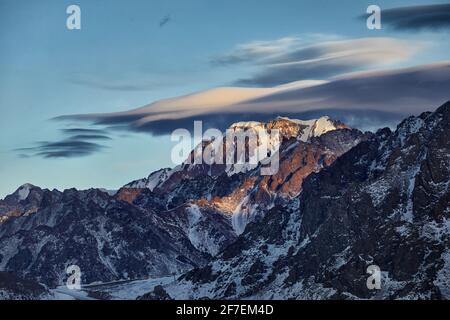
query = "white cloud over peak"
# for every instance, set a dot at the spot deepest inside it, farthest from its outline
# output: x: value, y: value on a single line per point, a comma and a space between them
x: 386, y: 96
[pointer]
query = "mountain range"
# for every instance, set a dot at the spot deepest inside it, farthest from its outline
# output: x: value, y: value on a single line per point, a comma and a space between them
x: 342, y: 200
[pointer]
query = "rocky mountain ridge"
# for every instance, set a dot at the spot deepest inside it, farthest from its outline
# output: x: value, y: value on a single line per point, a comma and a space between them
x: 340, y: 200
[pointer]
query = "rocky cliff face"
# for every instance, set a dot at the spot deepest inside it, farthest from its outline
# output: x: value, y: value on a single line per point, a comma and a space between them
x: 386, y: 202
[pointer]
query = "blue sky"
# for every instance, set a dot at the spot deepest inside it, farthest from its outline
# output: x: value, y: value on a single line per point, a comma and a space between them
x: 123, y: 59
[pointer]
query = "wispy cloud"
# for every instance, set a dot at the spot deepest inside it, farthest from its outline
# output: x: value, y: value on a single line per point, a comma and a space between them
x: 84, y: 131
x: 89, y: 137
x: 256, y: 50
x: 384, y: 96
x: 61, y: 149
x: 414, y: 18
x: 78, y: 143
x: 289, y: 59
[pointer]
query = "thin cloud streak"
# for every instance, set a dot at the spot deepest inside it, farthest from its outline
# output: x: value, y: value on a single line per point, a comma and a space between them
x: 89, y: 137
x: 117, y: 86
x: 84, y: 131
x: 79, y: 143
x: 289, y: 59
x: 61, y: 149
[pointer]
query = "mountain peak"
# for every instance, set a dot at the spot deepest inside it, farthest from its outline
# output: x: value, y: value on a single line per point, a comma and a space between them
x: 24, y: 190
x: 302, y: 129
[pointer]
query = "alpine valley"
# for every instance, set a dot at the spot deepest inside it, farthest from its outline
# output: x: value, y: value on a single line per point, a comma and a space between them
x: 342, y: 200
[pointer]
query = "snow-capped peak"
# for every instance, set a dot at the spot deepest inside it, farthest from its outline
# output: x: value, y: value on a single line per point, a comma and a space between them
x: 323, y: 125
x: 302, y: 129
x: 152, y: 181
x: 24, y: 191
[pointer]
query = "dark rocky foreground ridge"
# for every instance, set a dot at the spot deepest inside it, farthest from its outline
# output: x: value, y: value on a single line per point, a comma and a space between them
x: 14, y: 288
x: 341, y: 201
